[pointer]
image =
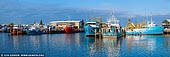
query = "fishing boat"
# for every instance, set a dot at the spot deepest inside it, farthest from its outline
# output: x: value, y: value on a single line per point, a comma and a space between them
x: 70, y: 29
x: 33, y: 30
x: 17, y: 31
x: 143, y: 28
x: 5, y: 29
x: 112, y: 28
x: 91, y: 27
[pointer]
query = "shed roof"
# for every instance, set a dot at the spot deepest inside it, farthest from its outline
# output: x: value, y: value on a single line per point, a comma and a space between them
x: 63, y: 21
x: 167, y: 20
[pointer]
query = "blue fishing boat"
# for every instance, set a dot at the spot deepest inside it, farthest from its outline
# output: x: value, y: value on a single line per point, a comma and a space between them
x: 4, y: 29
x: 145, y: 28
x: 112, y: 28
x: 33, y: 30
x: 91, y: 27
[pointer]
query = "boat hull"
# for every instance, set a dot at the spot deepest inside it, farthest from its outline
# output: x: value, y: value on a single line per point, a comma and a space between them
x: 115, y: 34
x: 146, y: 31
x: 15, y: 32
x: 112, y: 32
x: 33, y: 32
x: 90, y: 31
x: 69, y: 29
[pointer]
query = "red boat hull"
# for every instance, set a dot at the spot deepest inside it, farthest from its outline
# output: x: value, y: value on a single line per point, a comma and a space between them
x: 69, y: 29
x: 16, y: 32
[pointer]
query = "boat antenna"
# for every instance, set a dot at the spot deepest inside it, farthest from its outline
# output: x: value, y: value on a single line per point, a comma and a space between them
x: 34, y: 22
x: 144, y: 17
x: 19, y: 23
x: 86, y: 18
x: 151, y: 17
x: 69, y: 18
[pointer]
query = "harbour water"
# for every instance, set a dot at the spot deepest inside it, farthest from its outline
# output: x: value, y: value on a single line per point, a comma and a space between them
x: 77, y: 45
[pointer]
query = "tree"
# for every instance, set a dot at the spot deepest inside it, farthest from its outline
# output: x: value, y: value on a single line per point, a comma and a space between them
x: 34, y: 22
x: 41, y: 23
x: 11, y: 24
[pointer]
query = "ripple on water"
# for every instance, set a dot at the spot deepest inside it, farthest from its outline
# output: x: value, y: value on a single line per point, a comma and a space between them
x: 77, y: 45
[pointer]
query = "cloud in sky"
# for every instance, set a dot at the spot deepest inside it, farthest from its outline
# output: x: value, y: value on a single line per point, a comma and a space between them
x: 28, y: 10
x: 132, y: 6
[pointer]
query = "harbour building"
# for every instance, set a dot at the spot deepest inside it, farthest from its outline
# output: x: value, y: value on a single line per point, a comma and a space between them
x: 166, y: 24
x: 62, y: 24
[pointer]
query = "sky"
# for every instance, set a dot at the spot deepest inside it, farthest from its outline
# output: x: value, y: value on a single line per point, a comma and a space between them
x: 133, y: 6
x: 27, y: 11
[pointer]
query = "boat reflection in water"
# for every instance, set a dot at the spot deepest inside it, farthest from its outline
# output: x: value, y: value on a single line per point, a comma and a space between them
x: 142, y: 46
x: 141, y: 41
x: 103, y: 47
x: 77, y: 45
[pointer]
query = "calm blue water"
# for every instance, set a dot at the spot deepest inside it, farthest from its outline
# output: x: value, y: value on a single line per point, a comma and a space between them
x: 77, y: 45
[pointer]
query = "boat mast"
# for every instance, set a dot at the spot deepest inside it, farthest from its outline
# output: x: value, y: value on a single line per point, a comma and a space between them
x: 69, y: 18
x: 151, y: 24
